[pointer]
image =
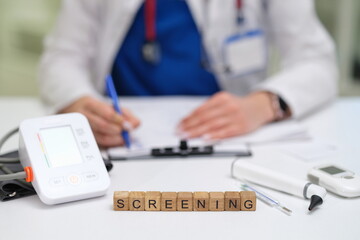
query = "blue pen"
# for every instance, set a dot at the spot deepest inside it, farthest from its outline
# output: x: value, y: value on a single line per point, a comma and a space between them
x: 113, y: 95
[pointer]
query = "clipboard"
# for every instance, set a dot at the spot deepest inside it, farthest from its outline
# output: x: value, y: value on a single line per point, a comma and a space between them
x: 182, y: 151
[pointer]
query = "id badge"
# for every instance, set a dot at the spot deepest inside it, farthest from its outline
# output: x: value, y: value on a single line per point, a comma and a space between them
x: 244, y: 53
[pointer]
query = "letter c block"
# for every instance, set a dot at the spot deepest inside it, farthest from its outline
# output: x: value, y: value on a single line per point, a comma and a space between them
x: 137, y: 201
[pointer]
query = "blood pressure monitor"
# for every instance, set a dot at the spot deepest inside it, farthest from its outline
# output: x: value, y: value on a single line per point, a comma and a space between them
x: 64, y: 157
x: 336, y: 179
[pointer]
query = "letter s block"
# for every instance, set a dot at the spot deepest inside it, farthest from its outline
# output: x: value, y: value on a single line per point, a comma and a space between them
x: 248, y: 201
x: 137, y: 201
x: 121, y: 201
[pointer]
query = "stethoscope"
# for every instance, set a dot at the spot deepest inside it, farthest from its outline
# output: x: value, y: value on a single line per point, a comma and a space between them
x: 151, y: 49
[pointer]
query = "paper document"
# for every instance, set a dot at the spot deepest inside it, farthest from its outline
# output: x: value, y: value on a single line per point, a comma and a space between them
x: 160, y: 116
x: 310, y: 151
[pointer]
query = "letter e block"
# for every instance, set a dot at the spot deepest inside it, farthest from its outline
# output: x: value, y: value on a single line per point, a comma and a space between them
x: 248, y: 201
x: 216, y: 201
x: 201, y: 201
x: 185, y: 201
x: 152, y: 201
x: 168, y: 201
x: 121, y: 201
x: 232, y: 201
x: 137, y: 201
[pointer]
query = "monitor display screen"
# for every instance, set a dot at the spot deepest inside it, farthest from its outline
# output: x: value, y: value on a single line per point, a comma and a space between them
x: 59, y: 146
x: 332, y: 170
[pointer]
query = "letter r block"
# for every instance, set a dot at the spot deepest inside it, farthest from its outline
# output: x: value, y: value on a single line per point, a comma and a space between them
x: 137, y: 201
x: 121, y: 201
x: 152, y: 201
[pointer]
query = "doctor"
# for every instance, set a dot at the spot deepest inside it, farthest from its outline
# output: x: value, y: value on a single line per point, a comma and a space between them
x: 216, y: 48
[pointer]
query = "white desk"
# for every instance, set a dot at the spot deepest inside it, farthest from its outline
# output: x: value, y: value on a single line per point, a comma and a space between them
x: 337, y: 218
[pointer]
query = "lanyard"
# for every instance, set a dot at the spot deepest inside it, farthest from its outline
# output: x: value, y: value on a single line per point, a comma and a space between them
x: 239, y: 20
x: 239, y: 12
x: 151, y: 49
x: 150, y: 20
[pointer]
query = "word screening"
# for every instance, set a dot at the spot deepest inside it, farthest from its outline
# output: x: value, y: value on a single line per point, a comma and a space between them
x: 184, y: 201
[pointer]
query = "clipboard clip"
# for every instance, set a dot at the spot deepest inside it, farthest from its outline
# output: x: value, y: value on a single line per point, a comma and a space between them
x: 183, y: 150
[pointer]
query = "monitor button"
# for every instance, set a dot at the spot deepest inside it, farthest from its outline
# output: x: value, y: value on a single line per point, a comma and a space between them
x: 90, y: 176
x: 74, y: 179
x: 85, y: 144
x: 56, y: 182
x: 89, y: 158
x: 80, y: 132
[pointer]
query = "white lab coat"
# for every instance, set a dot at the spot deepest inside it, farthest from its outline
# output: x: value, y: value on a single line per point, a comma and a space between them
x: 80, y: 51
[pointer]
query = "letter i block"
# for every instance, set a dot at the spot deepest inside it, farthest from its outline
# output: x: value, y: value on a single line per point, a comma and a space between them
x: 216, y: 201
x: 121, y: 201
x: 152, y: 201
x: 137, y: 201
x: 185, y: 201
x: 248, y: 201
x: 201, y: 201
x: 168, y: 201
x: 232, y: 201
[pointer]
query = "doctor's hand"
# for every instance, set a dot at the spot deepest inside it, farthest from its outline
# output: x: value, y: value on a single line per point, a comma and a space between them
x: 225, y: 115
x: 104, y: 121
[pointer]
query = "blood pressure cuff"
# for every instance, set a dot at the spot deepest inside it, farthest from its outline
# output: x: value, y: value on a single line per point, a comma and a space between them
x: 10, y: 190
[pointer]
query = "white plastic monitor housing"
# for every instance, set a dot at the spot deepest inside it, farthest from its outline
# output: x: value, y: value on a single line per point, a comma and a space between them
x: 336, y: 179
x: 65, y: 159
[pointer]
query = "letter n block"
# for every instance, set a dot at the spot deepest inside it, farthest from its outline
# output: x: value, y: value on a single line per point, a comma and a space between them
x: 152, y: 201
x: 137, y: 201
x: 232, y: 201
x: 121, y: 201
x: 216, y: 201
x: 168, y: 201
x: 201, y: 201
x: 248, y: 201
x: 185, y: 201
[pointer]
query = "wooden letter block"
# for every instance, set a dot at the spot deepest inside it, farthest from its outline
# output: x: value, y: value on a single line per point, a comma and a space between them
x: 185, y: 201
x: 137, y: 201
x: 168, y: 201
x: 121, y: 201
x: 248, y: 201
x: 201, y: 201
x: 232, y: 201
x: 216, y: 201
x: 152, y: 201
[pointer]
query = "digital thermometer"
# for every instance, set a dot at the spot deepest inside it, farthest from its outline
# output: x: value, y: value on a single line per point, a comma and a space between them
x: 242, y: 169
x: 64, y: 157
x: 336, y: 179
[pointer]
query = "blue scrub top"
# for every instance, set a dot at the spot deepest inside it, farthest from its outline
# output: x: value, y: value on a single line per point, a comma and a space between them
x: 179, y: 71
